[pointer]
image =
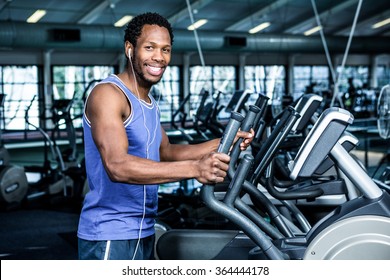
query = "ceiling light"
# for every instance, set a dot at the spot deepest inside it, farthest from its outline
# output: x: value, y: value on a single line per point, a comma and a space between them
x: 123, y: 21
x: 381, y: 23
x: 197, y: 24
x: 313, y: 30
x: 260, y: 27
x: 35, y: 17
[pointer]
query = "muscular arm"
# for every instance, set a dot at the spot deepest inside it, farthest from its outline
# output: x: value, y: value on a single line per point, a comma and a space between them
x: 106, y: 109
x: 173, y: 152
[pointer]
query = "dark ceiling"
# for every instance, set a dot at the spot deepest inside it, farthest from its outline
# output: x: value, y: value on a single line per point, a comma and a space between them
x: 286, y: 17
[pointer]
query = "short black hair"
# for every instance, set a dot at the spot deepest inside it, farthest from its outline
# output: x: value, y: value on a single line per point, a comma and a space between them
x: 134, y: 27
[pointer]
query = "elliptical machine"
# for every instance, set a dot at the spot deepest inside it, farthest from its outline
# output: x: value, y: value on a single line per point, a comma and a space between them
x: 357, y: 229
x: 13, y: 180
x: 52, y: 179
x: 233, y: 244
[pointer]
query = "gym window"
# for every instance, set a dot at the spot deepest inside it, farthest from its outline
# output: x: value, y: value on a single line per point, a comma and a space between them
x: 310, y: 79
x: 382, y: 75
x: 19, y: 84
x: 359, y: 75
x: 166, y: 92
x: 212, y: 79
x: 265, y: 79
x: 76, y: 82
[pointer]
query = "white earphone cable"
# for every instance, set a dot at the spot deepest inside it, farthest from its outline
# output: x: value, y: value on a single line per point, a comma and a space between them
x: 147, y: 154
x: 148, y: 144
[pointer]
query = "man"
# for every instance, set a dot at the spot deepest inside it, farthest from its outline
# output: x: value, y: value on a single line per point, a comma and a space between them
x: 128, y: 153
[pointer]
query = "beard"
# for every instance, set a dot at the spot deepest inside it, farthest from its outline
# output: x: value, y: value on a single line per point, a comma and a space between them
x: 141, y: 78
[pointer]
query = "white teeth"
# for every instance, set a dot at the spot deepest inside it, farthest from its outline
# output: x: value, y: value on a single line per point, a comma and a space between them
x: 155, y: 69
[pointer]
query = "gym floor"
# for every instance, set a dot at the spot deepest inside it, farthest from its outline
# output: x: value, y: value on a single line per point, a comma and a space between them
x: 39, y: 233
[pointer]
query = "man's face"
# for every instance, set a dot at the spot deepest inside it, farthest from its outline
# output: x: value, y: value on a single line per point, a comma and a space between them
x: 152, y: 54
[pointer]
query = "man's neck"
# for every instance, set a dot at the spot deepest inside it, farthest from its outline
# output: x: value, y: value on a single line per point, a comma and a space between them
x: 134, y: 86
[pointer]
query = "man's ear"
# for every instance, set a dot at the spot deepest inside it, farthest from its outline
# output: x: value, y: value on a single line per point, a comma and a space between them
x: 129, y: 49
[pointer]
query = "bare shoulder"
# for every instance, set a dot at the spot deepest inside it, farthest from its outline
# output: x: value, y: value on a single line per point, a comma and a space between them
x: 105, y: 91
x: 106, y: 98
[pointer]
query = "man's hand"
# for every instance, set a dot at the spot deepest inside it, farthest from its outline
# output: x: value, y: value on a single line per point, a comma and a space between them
x: 248, y: 138
x: 213, y: 168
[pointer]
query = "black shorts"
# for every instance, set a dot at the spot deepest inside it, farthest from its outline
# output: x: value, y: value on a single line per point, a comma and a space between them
x: 142, y: 249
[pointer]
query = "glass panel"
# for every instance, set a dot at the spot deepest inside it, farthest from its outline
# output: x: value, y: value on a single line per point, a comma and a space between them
x: 265, y: 79
x: 224, y: 81
x: 254, y: 78
x: 382, y: 75
x: 75, y: 82
x: 357, y: 74
x: 20, y: 85
x: 320, y: 78
x: 224, y: 78
x: 310, y: 79
x: 212, y: 79
x: 200, y: 78
x: 166, y: 92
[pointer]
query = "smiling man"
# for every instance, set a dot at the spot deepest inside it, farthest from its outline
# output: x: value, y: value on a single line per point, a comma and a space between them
x: 128, y: 154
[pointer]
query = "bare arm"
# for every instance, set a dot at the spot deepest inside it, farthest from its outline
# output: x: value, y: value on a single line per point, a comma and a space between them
x: 106, y: 109
x: 172, y: 152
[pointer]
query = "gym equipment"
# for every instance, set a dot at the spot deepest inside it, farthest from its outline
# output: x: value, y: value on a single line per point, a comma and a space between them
x: 336, y: 187
x: 203, y: 243
x: 383, y: 110
x: 186, y: 243
x: 52, y: 179
x: 357, y: 229
x: 203, y: 115
x: 181, y: 115
x: 185, y: 209
x: 210, y: 114
x: 13, y: 185
x: 236, y: 103
x: 4, y: 155
x: 13, y: 180
x: 61, y: 110
x: 73, y: 168
x: 383, y: 123
x: 259, y: 123
x: 226, y: 209
x: 277, y: 101
x: 351, y: 217
x: 306, y: 107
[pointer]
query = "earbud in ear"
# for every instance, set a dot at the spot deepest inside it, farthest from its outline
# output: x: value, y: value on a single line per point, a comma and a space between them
x: 129, y: 52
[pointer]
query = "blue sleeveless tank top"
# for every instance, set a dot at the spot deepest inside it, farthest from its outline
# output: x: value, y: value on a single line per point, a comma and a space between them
x: 118, y: 211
